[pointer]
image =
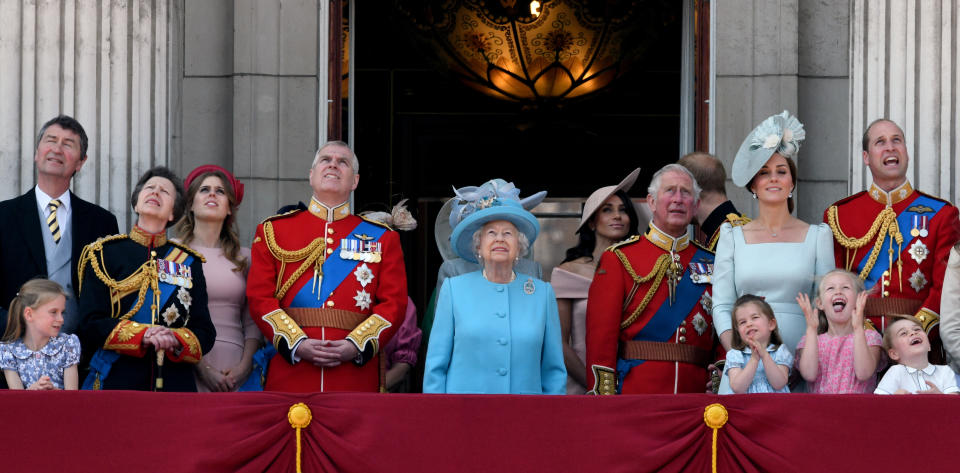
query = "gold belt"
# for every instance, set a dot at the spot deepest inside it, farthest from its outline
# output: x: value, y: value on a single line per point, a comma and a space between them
x: 659, y: 351
x: 333, y: 318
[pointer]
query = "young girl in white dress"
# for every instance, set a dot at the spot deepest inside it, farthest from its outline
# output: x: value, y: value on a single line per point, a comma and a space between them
x: 34, y: 354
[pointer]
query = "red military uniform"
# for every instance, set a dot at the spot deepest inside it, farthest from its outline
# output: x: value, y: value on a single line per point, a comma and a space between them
x: 899, y: 240
x: 329, y: 275
x: 637, y: 340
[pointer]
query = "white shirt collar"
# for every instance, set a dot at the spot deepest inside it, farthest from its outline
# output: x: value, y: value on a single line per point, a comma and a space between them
x: 43, y: 200
x: 927, y: 370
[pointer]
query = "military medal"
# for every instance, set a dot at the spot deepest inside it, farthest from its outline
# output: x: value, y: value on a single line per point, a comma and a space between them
x: 923, y: 226
x: 915, y: 232
x: 700, y: 273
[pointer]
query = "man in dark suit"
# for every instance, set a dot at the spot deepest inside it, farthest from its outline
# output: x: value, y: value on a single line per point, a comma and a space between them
x: 45, y: 229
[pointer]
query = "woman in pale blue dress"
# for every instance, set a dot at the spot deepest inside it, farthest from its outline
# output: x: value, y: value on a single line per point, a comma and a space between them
x: 776, y: 256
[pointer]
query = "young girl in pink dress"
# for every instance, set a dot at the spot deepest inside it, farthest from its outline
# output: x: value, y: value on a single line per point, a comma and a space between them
x: 846, y: 357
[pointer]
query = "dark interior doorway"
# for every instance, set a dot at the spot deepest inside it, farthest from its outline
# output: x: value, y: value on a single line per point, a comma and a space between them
x: 418, y: 132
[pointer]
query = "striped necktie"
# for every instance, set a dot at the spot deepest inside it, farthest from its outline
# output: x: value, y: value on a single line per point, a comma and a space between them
x: 52, y: 220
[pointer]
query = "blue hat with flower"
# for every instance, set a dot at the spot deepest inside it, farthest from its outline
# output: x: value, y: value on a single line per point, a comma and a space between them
x: 780, y: 134
x: 474, y: 207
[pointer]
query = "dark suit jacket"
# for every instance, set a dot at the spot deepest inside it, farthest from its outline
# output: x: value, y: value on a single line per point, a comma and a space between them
x: 21, y: 244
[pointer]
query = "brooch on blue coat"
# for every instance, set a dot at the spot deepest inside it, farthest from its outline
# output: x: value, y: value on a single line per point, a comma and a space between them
x: 529, y: 287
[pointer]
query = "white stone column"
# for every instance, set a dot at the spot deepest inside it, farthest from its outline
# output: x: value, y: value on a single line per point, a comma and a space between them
x: 103, y: 62
x: 903, y: 61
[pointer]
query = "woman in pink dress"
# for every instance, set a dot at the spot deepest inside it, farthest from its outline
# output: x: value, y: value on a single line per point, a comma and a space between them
x: 608, y: 217
x: 209, y: 227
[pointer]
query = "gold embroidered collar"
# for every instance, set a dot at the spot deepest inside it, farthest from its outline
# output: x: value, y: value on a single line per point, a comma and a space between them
x: 330, y: 214
x: 147, y: 239
x: 891, y: 198
x: 666, y: 242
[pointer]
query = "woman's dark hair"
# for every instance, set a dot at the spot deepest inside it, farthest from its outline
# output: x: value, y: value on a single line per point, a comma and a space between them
x: 588, y: 238
x: 179, y: 201
x: 229, y: 237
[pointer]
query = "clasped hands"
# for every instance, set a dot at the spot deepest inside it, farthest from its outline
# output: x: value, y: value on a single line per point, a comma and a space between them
x: 160, y: 338
x: 326, y: 353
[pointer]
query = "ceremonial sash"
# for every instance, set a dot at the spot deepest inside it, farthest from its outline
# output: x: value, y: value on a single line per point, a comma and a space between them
x: 665, y: 321
x: 904, y: 220
x: 103, y: 360
x: 335, y: 270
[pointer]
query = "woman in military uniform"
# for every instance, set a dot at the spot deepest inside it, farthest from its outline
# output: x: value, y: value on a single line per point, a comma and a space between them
x: 143, y: 298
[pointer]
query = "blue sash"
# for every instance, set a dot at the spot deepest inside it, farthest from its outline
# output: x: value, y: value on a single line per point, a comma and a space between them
x: 335, y: 270
x: 904, y: 220
x: 103, y: 360
x: 664, y: 323
x: 258, y: 376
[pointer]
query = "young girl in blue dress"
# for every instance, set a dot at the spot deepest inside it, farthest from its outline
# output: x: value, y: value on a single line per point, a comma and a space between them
x: 34, y: 354
x: 759, y: 362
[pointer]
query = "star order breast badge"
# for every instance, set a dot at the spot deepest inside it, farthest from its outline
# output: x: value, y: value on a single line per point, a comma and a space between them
x: 917, y: 280
x: 363, y: 274
x: 363, y: 299
x: 171, y: 315
x: 184, y: 297
x: 919, y: 251
x: 700, y: 323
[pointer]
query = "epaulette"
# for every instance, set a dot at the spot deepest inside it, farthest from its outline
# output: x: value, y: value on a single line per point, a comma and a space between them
x: 847, y: 199
x: 628, y: 241
x: 280, y: 215
x: 186, y: 248
x: 376, y: 222
x: 737, y: 220
x: 934, y: 198
x: 702, y: 247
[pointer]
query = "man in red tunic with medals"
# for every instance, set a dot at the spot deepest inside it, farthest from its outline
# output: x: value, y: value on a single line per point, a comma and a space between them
x: 327, y: 287
x: 895, y: 237
x: 649, y: 328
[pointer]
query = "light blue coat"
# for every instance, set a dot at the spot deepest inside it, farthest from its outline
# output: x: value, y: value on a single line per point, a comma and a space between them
x: 495, y: 338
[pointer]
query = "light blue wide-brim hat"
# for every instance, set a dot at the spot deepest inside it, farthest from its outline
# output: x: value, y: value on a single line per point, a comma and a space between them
x: 780, y: 133
x: 493, y: 210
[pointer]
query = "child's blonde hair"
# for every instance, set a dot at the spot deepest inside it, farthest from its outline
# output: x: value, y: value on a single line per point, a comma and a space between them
x: 888, y: 334
x: 34, y: 293
x: 765, y: 309
x: 857, y: 285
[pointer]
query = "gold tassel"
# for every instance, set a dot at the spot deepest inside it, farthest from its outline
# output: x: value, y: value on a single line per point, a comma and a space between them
x: 715, y: 416
x: 299, y: 417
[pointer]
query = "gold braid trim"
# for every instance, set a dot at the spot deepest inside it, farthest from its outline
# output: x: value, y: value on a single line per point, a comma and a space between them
x: 885, y: 224
x: 311, y: 255
x: 656, y: 274
x: 143, y: 278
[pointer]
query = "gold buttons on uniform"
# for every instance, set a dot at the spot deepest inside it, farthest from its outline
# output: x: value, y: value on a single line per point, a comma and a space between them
x: 329, y: 303
x: 330, y: 231
x: 683, y: 339
x: 329, y: 250
x: 683, y: 330
x: 329, y: 241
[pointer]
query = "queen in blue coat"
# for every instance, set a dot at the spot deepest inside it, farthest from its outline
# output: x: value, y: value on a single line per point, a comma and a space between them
x: 495, y: 331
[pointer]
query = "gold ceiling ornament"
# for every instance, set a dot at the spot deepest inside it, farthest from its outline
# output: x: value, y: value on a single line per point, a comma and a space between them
x: 537, y: 51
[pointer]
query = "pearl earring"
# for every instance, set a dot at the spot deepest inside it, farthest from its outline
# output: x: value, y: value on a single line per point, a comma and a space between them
x: 790, y: 195
x: 754, y: 195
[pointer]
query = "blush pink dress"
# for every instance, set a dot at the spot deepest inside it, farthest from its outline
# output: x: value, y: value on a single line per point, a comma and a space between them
x: 226, y: 291
x: 573, y: 286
